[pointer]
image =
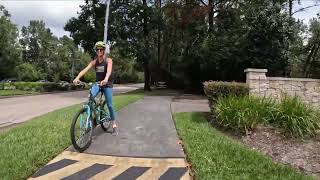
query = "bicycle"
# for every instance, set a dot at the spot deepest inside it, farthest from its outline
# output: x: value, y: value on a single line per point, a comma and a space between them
x: 87, y: 118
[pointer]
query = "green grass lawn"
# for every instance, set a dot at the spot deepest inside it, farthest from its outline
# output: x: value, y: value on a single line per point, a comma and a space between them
x: 27, y: 147
x: 16, y: 92
x: 215, y: 156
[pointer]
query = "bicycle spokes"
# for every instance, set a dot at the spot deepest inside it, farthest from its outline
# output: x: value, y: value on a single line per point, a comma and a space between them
x: 83, y: 138
x: 83, y: 127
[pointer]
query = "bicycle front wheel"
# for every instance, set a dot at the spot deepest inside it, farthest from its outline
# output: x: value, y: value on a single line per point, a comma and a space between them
x: 81, y: 130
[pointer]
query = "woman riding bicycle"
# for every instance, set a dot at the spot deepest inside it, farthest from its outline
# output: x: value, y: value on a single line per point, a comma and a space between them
x: 103, y: 68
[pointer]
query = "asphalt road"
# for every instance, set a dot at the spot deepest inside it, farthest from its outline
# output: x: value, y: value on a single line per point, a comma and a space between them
x: 19, y: 109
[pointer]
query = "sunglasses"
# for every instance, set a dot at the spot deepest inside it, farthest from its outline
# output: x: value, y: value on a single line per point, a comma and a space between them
x: 99, y: 50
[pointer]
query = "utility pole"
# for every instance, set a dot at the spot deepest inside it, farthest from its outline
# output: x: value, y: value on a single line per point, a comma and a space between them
x: 105, y: 38
x: 72, y: 68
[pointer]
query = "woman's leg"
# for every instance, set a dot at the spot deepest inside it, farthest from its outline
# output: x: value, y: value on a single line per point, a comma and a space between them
x: 108, y: 95
x: 94, y: 90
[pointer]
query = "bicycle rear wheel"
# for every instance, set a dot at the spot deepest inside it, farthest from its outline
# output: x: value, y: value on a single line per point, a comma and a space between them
x: 81, y: 130
x: 106, y: 123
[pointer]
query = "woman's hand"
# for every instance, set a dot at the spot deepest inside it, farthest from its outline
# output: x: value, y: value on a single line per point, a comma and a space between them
x: 76, y: 81
x: 104, y: 82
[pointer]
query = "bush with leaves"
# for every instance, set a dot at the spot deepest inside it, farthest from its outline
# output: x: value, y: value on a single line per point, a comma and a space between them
x: 295, y: 117
x: 291, y: 115
x: 38, y: 86
x: 27, y: 72
x: 217, y: 89
x: 89, y: 77
x: 243, y: 113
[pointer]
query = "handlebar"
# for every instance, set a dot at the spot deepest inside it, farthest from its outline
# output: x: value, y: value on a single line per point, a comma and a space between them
x: 90, y: 84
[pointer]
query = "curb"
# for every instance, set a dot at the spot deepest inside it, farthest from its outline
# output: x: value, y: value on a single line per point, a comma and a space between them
x: 44, y: 93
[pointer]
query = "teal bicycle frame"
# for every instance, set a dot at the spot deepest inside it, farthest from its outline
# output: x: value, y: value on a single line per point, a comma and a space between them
x: 95, y: 115
x: 88, y: 118
x: 92, y: 105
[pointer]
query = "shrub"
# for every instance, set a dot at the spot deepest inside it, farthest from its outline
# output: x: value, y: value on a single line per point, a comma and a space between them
x: 217, y: 89
x: 73, y: 87
x: 296, y: 118
x: 127, y: 77
x: 38, y: 86
x: 50, y: 86
x: 243, y: 113
x: 89, y: 77
x: 28, y: 86
x: 8, y: 86
x: 140, y: 77
x: 27, y: 72
x: 25, y: 86
x: 291, y: 115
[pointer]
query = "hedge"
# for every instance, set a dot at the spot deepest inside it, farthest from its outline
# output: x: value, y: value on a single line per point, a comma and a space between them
x: 218, y: 89
x: 37, y: 86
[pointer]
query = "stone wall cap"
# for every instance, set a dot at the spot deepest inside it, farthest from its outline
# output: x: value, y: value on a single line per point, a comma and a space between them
x: 256, y: 70
x: 293, y: 79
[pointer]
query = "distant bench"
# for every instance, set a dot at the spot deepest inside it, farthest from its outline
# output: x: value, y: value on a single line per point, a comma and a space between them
x: 161, y: 84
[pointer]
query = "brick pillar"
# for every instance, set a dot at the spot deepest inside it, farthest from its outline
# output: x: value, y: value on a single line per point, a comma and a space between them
x: 257, y: 81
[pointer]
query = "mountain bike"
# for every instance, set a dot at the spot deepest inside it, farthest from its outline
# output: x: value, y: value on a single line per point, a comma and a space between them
x: 87, y: 118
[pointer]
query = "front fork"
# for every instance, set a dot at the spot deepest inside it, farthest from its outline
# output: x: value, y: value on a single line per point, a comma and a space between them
x: 87, y: 122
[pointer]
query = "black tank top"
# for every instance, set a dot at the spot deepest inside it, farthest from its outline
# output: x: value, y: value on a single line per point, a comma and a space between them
x: 101, y: 71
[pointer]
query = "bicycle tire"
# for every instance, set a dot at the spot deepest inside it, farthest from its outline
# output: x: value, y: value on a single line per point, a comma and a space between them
x: 104, y: 124
x: 73, y: 136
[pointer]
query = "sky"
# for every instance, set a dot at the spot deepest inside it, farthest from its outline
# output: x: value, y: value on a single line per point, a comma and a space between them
x: 55, y: 13
x: 307, y: 14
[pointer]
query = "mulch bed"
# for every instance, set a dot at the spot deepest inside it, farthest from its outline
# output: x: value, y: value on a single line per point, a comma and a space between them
x: 302, y: 154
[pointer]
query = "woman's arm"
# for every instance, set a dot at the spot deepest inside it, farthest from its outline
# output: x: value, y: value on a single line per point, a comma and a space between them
x: 83, y: 72
x: 109, y: 70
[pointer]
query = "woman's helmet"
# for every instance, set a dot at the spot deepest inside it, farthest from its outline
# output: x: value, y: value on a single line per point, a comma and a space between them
x: 100, y: 44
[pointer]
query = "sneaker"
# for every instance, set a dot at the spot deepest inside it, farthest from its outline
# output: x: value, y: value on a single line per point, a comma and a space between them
x: 114, y: 125
x: 114, y: 130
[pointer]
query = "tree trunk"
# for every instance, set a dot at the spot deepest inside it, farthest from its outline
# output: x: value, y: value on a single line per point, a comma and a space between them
x: 146, y: 56
x: 305, y: 68
x: 210, y: 14
x: 146, y: 76
x: 159, y: 40
x: 314, y: 56
x: 290, y: 7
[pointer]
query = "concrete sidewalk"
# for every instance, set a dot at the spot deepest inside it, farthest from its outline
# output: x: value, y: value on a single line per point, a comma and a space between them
x: 190, y: 103
x: 146, y: 129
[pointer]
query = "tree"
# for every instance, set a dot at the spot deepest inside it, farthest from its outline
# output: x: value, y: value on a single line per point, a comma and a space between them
x: 244, y: 34
x: 268, y: 40
x: 57, y: 59
x: 187, y: 42
x: 27, y: 72
x: 39, y: 46
x: 88, y: 28
x: 9, y: 48
x: 311, y: 65
x: 130, y: 24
